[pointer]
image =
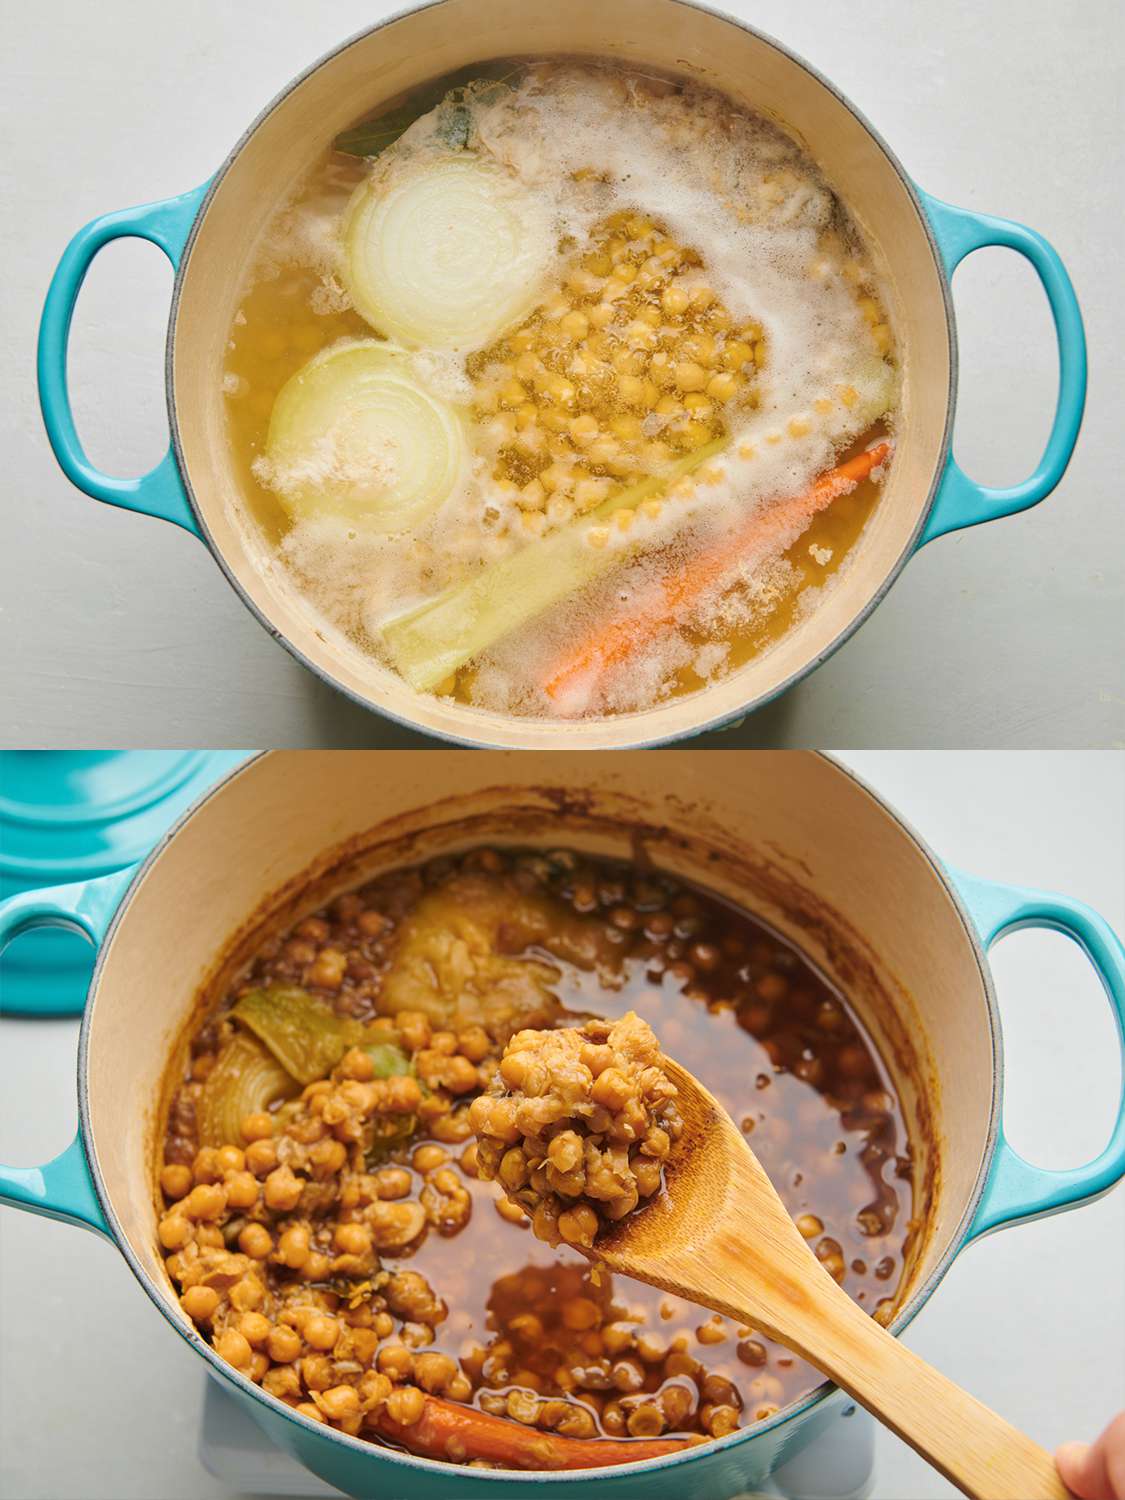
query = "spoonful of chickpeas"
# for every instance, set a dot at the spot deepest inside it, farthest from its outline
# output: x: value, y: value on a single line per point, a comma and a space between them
x: 615, y: 1149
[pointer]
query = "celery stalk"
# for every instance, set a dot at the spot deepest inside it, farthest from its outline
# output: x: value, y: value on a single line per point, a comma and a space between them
x: 435, y: 638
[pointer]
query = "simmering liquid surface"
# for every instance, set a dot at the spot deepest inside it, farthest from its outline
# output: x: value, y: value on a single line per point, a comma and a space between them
x: 536, y: 1334
x: 707, y: 327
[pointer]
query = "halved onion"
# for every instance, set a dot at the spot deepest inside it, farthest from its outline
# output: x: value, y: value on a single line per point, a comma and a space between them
x: 355, y: 436
x: 448, y: 252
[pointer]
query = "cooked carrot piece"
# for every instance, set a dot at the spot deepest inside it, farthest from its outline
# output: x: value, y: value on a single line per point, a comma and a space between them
x: 619, y: 640
x: 449, y: 1430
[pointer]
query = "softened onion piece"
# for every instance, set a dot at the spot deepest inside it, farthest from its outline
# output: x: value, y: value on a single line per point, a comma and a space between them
x: 245, y: 1080
x: 354, y: 436
x: 447, y: 252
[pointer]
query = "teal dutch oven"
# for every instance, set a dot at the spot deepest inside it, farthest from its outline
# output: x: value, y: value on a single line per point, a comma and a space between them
x: 210, y: 234
x: 793, y: 837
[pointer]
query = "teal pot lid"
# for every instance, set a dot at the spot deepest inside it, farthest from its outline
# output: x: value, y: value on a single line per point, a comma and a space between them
x: 68, y: 815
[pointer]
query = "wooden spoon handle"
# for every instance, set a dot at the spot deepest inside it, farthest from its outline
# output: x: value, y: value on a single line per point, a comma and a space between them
x: 982, y: 1454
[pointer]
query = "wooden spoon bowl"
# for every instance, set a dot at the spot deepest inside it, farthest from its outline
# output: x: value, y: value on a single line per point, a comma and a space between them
x: 719, y: 1235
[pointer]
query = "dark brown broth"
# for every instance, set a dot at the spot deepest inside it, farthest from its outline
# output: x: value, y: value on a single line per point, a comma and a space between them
x: 762, y: 1028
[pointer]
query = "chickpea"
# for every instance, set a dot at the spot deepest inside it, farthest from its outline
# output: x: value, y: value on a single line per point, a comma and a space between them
x: 254, y: 1328
x: 712, y: 1332
x: 353, y: 1239
x: 373, y: 1390
x: 511, y: 1212
x: 396, y: 1361
x: 524, y: 1406
x: 809, y: 1226
x: 317, y: 1371
x: 230, y: 1159
x: 434, y: 1371
x: 752, y: 1353
x: 175, y: 1180
x: 247, y: 1294
x: 242, y: 1190
x: 174, y: 1231
x: 257, y: 1127
x: 372, y: 924
x: 328, y: 1157
x: 282, y: 1190
x: 316, y: 1266
x: 328, y: 969
x: 611, y: 1089
x: 200, y: 1302
x: 357, y: 1064
x: 261, y: 1157
x: 283, y: 1381
x: 308, y: 1409
x: 293, y: 1247
x: 579, y: 1225
x: 428, y: 1157
x: 474, y: 1043
x: 394, y: 1182
x: 720, y: 1420
x: 627, y: 1376
x: 580, y: 1313
x: 232, y: 1346
x: 339, y: 1402
x: 645, y: 1420
x: 414, y: 1028
x: 284, y: 1344
x: 322, y: 1332
x: 255, y: 1241
x: 460, y: 1076
x: 207, y: 1201
x: 205, y: 1166
x: 406, y: 1405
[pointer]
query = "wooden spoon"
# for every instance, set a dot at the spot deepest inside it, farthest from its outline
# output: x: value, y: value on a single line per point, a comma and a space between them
x: 720, y: 1235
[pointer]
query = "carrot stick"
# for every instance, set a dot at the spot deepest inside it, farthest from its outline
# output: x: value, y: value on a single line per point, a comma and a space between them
x: 614, y: 643
x: 449, y: 1430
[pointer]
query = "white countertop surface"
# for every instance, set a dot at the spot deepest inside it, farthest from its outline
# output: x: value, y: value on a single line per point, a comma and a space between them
x: 99, y: 1400
x: 119, y: 630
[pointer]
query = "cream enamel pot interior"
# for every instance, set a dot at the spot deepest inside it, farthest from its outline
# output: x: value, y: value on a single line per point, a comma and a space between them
x: 791, y: 836
x: 210, y: 235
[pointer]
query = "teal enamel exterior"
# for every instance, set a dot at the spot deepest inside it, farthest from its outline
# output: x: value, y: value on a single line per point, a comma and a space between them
x: 167, y: 224
x: 63, y: 1189
x: 67, y: 813
x: 1017, y: 1191
x: 73, y: 815
x: 960, y: 501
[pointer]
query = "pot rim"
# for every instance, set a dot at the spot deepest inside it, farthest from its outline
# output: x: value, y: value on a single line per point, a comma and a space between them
x: 466, y: 741
x: 820, y: 1394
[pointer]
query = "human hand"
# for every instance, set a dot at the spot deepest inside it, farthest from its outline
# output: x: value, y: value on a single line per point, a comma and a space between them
x: 1096, y: 1471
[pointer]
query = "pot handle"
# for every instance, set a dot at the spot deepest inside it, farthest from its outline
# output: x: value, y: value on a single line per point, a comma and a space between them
x: 960, y: 501
x: 1016, y: 1191
x: 160, y: 492
x: 63, y: 1189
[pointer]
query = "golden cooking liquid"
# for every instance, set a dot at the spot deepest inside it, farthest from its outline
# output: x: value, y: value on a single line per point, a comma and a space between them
x: 279, y: 328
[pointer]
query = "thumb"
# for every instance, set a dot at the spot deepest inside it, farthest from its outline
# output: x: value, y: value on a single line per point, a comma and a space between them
x: 1082, y: 1469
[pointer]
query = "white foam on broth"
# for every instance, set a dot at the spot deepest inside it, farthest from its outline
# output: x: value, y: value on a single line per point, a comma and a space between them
x: 746, y: 197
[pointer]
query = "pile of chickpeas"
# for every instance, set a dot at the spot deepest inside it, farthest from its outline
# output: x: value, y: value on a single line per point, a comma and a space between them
x: 629, y: 365
x: 328, y: 1278
x: 605, y: 1078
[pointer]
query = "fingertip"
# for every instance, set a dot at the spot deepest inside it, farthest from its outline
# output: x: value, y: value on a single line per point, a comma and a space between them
x: 1070, y: 1459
